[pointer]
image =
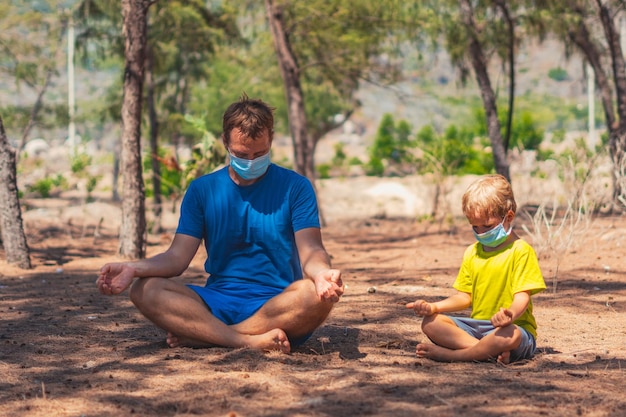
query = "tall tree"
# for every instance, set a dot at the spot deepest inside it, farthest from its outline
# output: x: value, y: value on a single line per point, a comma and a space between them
x: 303, y: 148
x: 473, y: 33
x: 479, y: 63
x: 133, y: 227
x: 325, y: 48
x: 182, y: 38
x: 31, y: 45
x: 11, y: 226
x: 590, y: 26
x: 617, y: 135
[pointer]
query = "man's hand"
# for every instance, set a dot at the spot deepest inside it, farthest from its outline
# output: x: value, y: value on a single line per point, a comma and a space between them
x: 502, y: 318
x: 328, y: 285
x: 423, y: 308
x: 115, y: 278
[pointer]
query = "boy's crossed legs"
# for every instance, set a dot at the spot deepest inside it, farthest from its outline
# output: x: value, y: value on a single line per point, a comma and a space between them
x: 463, y: 339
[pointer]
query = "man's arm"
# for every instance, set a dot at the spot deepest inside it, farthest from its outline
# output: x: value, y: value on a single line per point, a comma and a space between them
x: 316, y: 265
x: 116, y: 277
x: 171, y: 263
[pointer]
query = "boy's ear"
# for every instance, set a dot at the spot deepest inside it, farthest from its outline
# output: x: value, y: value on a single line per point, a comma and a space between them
x: 510, y: 215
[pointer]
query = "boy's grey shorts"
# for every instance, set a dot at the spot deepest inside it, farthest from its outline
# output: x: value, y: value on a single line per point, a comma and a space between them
x: 481, y: 328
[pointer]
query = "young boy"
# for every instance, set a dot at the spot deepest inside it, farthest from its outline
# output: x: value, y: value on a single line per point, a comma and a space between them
x: 498, y: 275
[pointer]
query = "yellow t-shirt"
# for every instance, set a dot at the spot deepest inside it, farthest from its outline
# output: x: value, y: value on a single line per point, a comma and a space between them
x: 492, y: 278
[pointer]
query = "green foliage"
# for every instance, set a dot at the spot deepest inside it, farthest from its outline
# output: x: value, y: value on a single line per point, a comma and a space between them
x: 375, y: 167
x: 323, y: 171
x: 207, y: 155
x: 355, y: 161
x: 171, y: 174
x: 558, y: 74
x: 340, y: 156
x: 452, y: 153
x: 42, y: 186
x: 390, y: 146
x: 45, y: 186
x: 79, y: 162
x: 525, y: 134
x: 558, y: 136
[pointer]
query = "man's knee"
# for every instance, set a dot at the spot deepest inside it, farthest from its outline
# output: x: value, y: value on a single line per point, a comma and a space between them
x: 307, y: 303
x: 141, y: 290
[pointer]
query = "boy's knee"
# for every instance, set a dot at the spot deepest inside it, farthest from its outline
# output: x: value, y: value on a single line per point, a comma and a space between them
x: 509, y: 338
x: 428, y: 323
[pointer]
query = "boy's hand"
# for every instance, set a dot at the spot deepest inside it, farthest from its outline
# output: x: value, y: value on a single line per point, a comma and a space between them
x: 423, y: 308
x: 502, y: 318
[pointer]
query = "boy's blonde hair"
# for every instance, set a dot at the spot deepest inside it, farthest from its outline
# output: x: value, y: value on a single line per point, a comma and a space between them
x: 488, y: 197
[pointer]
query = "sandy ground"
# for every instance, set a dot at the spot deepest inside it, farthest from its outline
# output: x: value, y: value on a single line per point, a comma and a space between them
x: 66, y: 350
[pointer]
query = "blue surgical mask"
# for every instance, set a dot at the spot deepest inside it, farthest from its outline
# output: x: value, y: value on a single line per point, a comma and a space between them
x: 494, y: 237
x: 250, y: 169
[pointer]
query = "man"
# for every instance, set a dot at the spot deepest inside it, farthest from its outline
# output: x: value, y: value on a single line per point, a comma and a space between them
x: 260, y: 227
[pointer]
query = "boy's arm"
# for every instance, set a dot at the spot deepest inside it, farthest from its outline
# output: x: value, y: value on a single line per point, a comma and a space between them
x: 507, y: 316
x: 456, y: 302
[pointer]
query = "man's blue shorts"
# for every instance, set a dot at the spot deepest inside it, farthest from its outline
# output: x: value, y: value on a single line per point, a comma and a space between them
x: 233, y: 303
x: 481, y: 328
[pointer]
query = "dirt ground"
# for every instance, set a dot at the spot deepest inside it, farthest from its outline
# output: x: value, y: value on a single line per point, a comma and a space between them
x: 66, y: 350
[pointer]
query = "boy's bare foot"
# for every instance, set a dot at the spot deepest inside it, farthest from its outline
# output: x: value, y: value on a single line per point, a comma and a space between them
x: 504, y: 357
x: 434, y: 352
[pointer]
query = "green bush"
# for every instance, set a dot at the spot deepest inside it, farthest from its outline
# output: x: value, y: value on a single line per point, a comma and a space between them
x: 323, y: 171
x: 375, y: 167
x: 79, y: 163
x: 558, y: 74
x: 42, y: 186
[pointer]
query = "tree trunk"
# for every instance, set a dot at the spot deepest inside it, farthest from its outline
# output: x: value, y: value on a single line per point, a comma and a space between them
x: 617, y: 137
x: 50, y: 72
x: 581, y: 37
x: 479, y: 64
x: 133, y: 228
x: 154, y: 146
x: 510, y: 23
x: 303, y: 148
x: 11, y: 226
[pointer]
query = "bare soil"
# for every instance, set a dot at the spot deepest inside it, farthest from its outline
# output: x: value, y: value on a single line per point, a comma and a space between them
x: 66, y: 350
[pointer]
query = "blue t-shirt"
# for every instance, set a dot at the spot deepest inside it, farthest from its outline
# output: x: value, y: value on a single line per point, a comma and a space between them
x: 248, y: 231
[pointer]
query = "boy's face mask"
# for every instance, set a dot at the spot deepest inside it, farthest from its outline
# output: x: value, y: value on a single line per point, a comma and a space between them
x: 494, y: 237
x: 250, y: 169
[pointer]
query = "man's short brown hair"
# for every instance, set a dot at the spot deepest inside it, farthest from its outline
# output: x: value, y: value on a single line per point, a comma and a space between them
x: 252, y: 117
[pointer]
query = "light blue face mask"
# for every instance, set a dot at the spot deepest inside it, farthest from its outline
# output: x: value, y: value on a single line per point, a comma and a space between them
x: 494, y: 237
x: 250, y: 169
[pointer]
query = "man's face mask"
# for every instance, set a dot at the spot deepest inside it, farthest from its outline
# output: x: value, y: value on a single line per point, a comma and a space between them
x: 250, y: 169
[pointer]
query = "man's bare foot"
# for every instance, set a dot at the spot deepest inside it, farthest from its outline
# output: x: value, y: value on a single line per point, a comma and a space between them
x: 174, y: 341
x: 273, y: 340
x: 504, y: 357
x: 434, y: 352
